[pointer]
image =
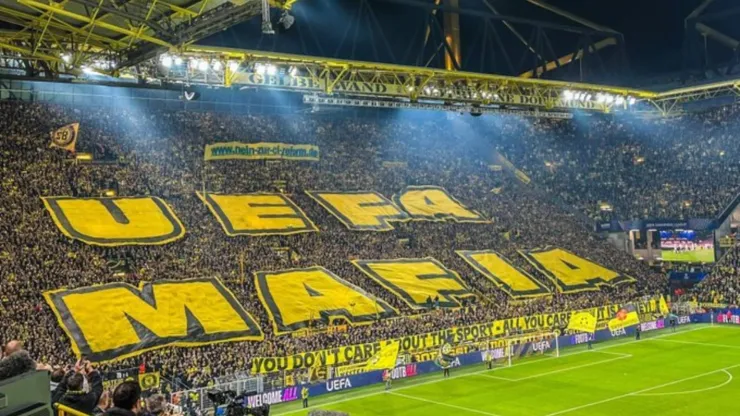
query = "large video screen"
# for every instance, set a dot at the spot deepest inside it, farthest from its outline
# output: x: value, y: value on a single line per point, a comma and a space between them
x: 687, y: 246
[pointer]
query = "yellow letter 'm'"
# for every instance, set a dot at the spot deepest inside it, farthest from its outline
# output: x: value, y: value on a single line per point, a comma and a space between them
x: 363, y: 211
x: 257, y: 214
x: 115, y: 221
x: 515, y: 282
x: 118, y: 320
x: 295, y: 298
x: 415, y: 281
x: 435, y: 204
x: 572, y: 273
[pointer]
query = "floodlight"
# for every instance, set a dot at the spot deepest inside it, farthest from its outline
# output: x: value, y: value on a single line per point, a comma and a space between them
x: 287, y: 20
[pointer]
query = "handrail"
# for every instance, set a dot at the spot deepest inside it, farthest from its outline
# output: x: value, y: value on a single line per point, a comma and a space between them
x: 67, y: 411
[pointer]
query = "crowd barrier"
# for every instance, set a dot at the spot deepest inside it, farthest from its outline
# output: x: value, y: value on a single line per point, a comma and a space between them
x: 26, y: 394
x: 63, y: 410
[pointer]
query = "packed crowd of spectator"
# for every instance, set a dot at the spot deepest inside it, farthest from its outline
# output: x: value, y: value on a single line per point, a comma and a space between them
x: 160, y: 153
x: 637, y: 168
x: 722, y: 285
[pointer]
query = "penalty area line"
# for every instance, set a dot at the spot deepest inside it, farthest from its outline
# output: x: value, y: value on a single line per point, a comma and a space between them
x: 718, y: 386
x: 562, y: 370
x: 702, y: 344
x: 641, y: 392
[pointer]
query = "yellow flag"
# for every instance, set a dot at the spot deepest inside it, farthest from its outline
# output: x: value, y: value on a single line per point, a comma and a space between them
x: 385, y: 358
x: 65, y: 137
x: 582, y: 322
x: 149, y: 381
x: 663, y: 306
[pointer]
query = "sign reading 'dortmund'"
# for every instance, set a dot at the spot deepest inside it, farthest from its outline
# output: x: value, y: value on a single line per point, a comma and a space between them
x: 117, y: 320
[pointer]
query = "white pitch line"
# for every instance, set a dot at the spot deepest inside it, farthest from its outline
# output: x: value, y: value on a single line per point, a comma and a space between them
x: 703, y: 344
x: 562, y: 370
x: 640, y: 392
x: 726, y: 382
x: 437, y: 380
x: 495, y: 377
x: 619, y: 354
x: 421, y: 399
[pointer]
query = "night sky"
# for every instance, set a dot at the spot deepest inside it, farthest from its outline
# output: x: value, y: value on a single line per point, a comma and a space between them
x: 653, y: 29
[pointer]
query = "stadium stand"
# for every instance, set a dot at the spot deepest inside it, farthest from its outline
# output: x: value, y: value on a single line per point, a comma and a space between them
x: 682, y: 167
x: 160, y: 154
x: 722, y: 286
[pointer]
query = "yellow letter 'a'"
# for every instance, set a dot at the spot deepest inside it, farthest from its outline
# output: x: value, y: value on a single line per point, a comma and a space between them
x: 435, y: 204
x: 115, y: 221
x: 295, y: 298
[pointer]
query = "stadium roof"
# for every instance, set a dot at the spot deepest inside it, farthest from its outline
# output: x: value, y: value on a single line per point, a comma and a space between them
x: 406, y: 39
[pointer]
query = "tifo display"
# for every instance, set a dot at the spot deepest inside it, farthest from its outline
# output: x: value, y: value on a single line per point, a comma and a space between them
x: 293, y: 258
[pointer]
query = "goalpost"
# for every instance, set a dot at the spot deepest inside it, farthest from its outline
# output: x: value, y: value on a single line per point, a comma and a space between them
x: 505, y: 352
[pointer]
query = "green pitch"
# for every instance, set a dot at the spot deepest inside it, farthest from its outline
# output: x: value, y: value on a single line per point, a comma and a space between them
x: 703, y: 255
x: 690, y: 372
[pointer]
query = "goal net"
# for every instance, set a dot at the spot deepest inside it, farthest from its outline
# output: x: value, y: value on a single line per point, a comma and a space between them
x: 505, y: 352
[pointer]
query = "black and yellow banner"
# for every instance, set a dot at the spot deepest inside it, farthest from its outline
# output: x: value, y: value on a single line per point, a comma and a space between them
x: 433, y: 203
x: 362, y: 352
x: 117, y: 320
x: 115, y: 221
x: 147, y: 381
x: 454, y: 336
x: 582, y: 322
x: 299, y: 298
x: 65, y: 137
x: 418, y: 282
x: 515, y: 282
x: 257, y: 214
x: 572, y: 273
x: 360, y: 210
x: 625, y: 317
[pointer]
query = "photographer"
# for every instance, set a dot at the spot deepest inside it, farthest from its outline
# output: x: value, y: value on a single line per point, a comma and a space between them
x: 72, y: 391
